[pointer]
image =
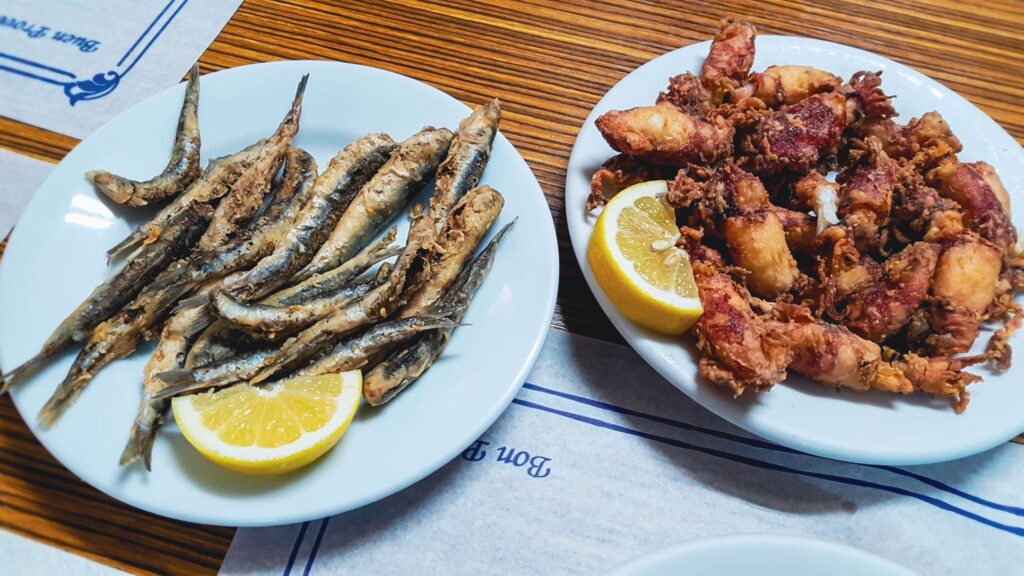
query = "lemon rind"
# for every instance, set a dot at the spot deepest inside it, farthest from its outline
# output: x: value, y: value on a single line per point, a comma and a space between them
x: 207, y: 442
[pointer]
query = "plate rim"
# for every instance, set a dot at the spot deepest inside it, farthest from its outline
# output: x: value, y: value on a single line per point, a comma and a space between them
x: 486, y: 419
x: 744, y: 539
x: 579, y: 235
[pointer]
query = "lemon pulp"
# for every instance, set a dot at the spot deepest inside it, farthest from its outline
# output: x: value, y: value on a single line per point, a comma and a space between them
x: 633, y: 255
x: 270, y: 430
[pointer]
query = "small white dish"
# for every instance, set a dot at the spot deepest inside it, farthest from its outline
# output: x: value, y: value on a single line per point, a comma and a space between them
x: 872, y: 428
x: 57, y: 256
x: 748, y: 554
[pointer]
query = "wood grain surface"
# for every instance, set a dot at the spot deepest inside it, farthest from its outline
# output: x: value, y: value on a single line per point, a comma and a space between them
x: 549, y: 62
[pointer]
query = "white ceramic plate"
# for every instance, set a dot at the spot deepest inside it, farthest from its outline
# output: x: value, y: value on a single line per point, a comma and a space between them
x: 56, y: 257
x: 870, y: 428
x: 747, y: 554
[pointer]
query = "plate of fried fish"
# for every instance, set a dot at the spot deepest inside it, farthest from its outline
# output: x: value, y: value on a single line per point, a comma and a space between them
x: 250, y: 247
x: 844, y: 225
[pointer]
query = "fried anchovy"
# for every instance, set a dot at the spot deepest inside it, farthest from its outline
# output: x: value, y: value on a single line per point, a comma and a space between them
x: 467, y: 158
x: 356, y: 352
x: 331, y: 281
x: 169, y: 354
x: 273, y: 320
x: 119, y: 335
x: 333, y: 192
x: 291, y: 193
x: 182, y: 169
x: 290, y: 196
x: 237, y: 208
x: 115, y: 338
x: 407, y: 275
x: 219, y: 340
x: 403, y: 366
x: 411, y: 165
x: 120, y: 288
x: 464, y: 229
x: 222, y: 339
x: 220, y: 174
x: 224, y: 372
x: 350, y: 354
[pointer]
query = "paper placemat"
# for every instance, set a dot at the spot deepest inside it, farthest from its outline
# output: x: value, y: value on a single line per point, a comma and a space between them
x: 71, y: 65
x: 21, y: 178
x: 23, y: 556
x: 599, y: 460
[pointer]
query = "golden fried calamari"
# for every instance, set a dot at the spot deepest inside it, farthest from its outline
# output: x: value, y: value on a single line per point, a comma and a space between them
x: 963, y: 288
x: 876, y: 279
x: 736, y: 349
x: 785, y: 85
x: 617, y: 174
x: 797, y: 138
x: 662, y: 134
x: 688, y: 94
x: 982, y: 198
x: 730, y: 57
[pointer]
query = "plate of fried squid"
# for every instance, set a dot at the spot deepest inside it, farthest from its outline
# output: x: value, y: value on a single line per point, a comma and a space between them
x: 263, y: 222
x: 849, y: 224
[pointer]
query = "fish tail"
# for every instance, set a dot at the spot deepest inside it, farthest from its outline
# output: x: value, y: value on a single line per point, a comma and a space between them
x: 177, y: 382
x: 63, y: 398
x: 172, y: 277
x: 439, y: 323
x: 26, y: 367
x: 501, y: 233
x: 140, y: 440
x: 192, y: 302
x: 300, y: 91
x: 198, y: 324
x: 124, y: 246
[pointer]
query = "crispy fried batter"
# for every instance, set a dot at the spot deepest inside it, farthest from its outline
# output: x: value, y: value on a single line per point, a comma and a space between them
x: 873, y: 282
x: 730, y: 57
x: 964, y: 286
x: 984, y: 200
x: 617, y: 174
x: 757, y: 242
x: 786, y: 85
x: 797, y: 138
x: 921, y: 144
x: 865, y: 89
x: 938, y: 377
x: 687, y: 93
x: 733, y: 204
x: 866, y: 196
x: 662, y: 134
x: 729, y: 191
x: 879, y: 308
x: 736, y: 350
x: 833, y: 355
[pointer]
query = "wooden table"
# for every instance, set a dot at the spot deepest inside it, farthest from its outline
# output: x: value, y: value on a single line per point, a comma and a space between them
x: 549, y: 62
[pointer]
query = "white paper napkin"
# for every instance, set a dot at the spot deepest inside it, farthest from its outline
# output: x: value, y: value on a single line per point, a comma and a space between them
x: 71, y: 65
x: 20, y: 176
x: 23, y: 556
x: 599, y: 460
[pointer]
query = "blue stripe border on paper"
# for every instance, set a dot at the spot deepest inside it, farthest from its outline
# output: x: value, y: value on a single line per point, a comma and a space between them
x: 726, y: 455
x: 99, y: 85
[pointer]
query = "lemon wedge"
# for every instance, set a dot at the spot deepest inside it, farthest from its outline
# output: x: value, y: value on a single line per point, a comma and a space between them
x: 634, y: 257
x: 270, y: 430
